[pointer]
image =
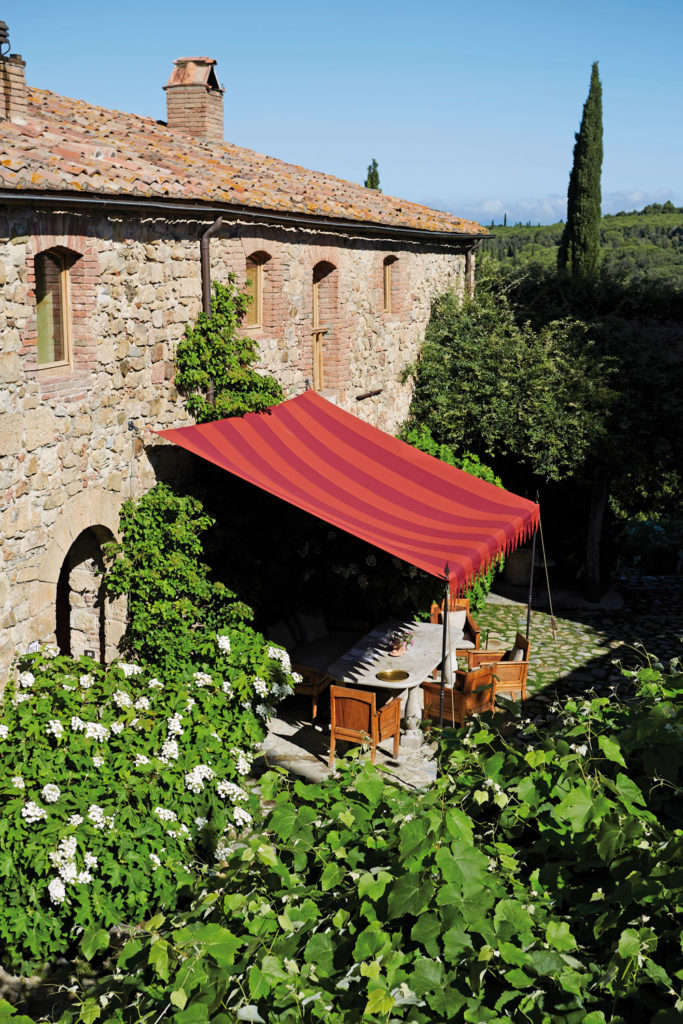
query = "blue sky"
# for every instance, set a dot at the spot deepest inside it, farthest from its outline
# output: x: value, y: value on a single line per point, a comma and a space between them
x: 468, y: 107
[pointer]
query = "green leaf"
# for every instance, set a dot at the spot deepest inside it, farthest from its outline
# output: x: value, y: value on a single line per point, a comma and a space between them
x: 510, y: 919
x: 559, y: 936
x: 197, y: 1013
x: 331, y: 876
x: 379, y: 1001
x: 179, y: 998
x: 518, y: 979
x: 629, y: 944
x: 576, y: 808
x: 373, y: 886
x: 90, y: 1011
x: 611, y: 749
x: 93, y: 940
x: 158, y: 958
x: 370, y: 784
x: 319, y: 951
x: 282, y: 820
x: 410, y: 894
x: 426, y: 930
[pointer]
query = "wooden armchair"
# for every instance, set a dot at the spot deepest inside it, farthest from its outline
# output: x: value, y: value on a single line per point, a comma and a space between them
x: 471, y: 632
x: 355, y: 718
x: 511, y: 667
x: 474, y: 692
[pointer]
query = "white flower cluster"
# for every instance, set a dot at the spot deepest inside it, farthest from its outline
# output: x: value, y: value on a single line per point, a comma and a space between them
x: 86, y: 680
x: 18, y: 782
x: 169, y: 751
x: 142, y: 704
x: 190, y: 704
x: 226, y: 686
x: 242, y: 761
x: 141, y: 759
x: 122, y: 699
x: 242, y: 817
x: 50, y: 651
x: 154, y: 684
x: 54, y: 728
x: 129, y: 670
x: 117, y: 727
x: 56, y: 890
x: 75, y: 819
x: 280, y: 690
x: 261, y: 686
x: 223, y: 642
x: 229, y: 791
x: 77, y: 724
x: 262, y: 710
x: 26, y: 680
x: 19, y: 698
x: 173, y: 726
x: 155, y: 860
x: 203, y: 679
x: 98, y: 818
x: 281, y: 655
x: 4, y: 731
x: 201, y: 822
x: 194, y: 780
x: 165, y: 814
x: 64, y: 859
x: 50, y: 793
x: 98, y: 761
x: 96, y: 731
x: 32, y: 812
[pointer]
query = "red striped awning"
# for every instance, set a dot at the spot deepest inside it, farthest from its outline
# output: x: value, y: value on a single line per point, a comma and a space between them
x: 314, y: 455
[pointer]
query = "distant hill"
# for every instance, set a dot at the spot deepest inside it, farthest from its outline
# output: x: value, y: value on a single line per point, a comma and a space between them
x: 644, y: 246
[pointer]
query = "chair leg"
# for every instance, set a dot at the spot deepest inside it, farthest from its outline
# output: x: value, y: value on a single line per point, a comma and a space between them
x: 314, y: 711
x: 332, y: 746
x: 373, y: 754
x: 397, y: 740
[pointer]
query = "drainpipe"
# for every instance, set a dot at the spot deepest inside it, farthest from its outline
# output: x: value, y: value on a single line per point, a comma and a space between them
x: 469, y: 268
x: 205, y: 263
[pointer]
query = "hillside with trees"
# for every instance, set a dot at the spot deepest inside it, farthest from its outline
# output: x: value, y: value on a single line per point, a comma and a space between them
x: 643, y: 247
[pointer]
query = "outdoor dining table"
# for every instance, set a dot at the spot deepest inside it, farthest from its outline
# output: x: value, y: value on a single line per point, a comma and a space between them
x: 370, y: 655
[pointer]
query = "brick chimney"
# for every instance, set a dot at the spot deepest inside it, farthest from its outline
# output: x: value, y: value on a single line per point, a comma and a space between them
x: 13, y: 101
x: 194, y: 99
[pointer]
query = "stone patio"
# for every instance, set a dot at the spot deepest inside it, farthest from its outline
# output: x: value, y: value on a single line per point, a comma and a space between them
x: 592, y: 641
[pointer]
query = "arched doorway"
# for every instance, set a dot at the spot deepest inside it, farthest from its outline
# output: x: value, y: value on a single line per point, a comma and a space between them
x: 81, y: 626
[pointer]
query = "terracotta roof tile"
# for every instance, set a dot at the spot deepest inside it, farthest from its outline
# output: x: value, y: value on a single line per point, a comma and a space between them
x: 68, y: 145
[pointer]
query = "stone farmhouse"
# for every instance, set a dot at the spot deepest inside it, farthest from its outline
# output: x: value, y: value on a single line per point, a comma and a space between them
x: 112, y: 227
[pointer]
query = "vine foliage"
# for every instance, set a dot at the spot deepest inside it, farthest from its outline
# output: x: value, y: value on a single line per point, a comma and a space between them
x: 214, y: 362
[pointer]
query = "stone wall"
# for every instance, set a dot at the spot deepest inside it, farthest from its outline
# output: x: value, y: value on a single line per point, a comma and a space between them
x: 67, y: 456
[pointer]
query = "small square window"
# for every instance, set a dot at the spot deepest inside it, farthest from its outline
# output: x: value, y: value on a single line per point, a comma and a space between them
x: 52, y: 308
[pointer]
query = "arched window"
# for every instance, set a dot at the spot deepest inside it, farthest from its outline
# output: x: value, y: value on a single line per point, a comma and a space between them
x: 254, y: 288
x: 324, y: 312
x: 53, y: 306
x: 387, y: 282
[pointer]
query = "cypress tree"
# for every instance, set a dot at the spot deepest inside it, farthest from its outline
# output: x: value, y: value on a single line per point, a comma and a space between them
x: 580, y: 243
x: 372, y: 179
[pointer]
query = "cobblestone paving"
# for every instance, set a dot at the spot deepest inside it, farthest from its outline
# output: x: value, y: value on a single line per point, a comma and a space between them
x: 592, y: 643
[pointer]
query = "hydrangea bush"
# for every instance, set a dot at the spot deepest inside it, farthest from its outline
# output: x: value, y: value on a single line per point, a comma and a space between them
x: 117, y: 784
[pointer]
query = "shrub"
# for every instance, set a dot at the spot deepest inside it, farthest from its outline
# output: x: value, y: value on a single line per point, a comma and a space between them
x: 115, y: 783
x: 538, y: 881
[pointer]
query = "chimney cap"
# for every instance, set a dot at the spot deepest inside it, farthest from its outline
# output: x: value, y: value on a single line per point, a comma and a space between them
x: 195, y: 71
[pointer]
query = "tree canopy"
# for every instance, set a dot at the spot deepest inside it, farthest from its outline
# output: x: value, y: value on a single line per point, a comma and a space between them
x: 372, y: 178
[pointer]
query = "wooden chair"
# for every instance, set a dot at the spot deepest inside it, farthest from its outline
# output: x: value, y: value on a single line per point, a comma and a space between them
x: 511, y: 667
x: 355, y: 718
x: 471, y: 632
x: 474, y: 692
x: 313, y: 683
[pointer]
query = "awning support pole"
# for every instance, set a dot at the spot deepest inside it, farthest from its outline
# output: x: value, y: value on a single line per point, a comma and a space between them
x: 443, y: 645
x: 531, y: 577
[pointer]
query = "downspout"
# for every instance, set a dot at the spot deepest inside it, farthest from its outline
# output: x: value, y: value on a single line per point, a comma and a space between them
x: 205, y: 263
x: 469, y: 268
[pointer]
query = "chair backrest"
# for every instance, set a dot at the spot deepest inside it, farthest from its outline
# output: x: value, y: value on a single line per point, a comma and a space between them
x: 521, y: 641
x: 478, y: 687
x: 352, y: 709
x: 454, y: 603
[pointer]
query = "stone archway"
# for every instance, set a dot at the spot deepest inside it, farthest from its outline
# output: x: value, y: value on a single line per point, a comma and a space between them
x: 66, y: 600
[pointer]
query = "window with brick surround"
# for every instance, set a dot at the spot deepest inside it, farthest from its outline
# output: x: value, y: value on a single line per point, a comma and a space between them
x: 324, y: 314
x: 387, y: 283
x: 53, y: 307
x: 254, y: 288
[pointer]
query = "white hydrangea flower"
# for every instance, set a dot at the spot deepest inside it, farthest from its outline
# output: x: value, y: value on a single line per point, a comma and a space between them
x: 142, y: 704
x: 68, y: 872
x: 32, y: 812
x: 190, y: 704
x: 242, y: 817
x: 203, y: 679
x: 242, y: 761
x: 77, y: 724
x: 169, y: 751
x: 50, y: 651
x: 19, y: 698
x: 229, y: 791
x: 57, y: 891
x: 226, y: 687
x: 141, y: 759
x: 165, y: 814
x: 117, y: 727
x: 222, y: 850
x: 201, y: 822
x: 65, y: 686
x: 261, y: 686
x: 97, y: 816
x: 261, y: 710
x: 86, y: 680
x: 83, y: 877
x: 75, y: 819
x: 154, y: 684
x: 224, y: 643
x: 26, y: 680
x: 155, y: 860
x: 130, y: 670
x: 54, y: 728
x: 122, y: 699
x: 194, y: 780
x: 90, y: 860
x: 98, y: 761
x: 50, y: 793
x: 297, y: 677
x: 173, y: 726
x: 96, y: 731
x: 279, y: 654
x: 4, y: 731
x: 18, y: 782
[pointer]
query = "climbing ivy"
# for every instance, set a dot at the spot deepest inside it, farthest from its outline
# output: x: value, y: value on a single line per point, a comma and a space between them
x: 214, y: 360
